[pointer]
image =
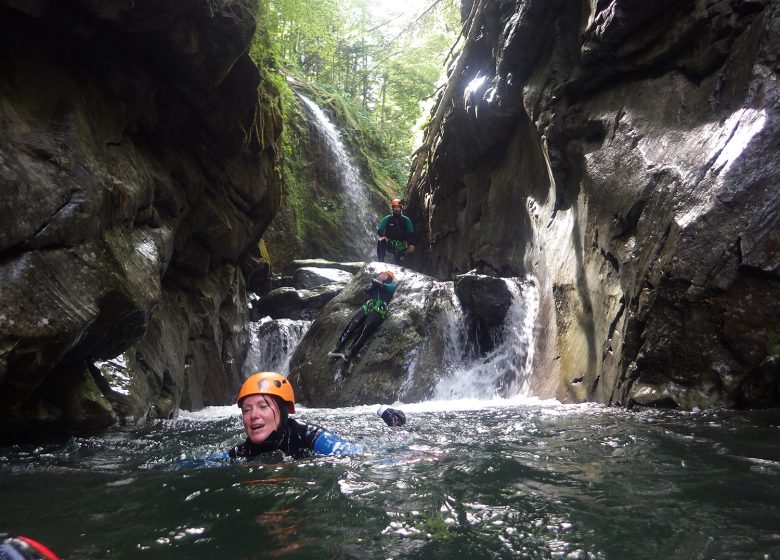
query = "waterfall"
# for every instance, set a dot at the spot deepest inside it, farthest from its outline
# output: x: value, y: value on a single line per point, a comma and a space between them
x: 504, y: 370
x: 358, y: 218
x: 272, y: 343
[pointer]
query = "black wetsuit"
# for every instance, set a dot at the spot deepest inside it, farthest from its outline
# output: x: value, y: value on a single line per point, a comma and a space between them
x: 399, y: 231
x: 297, y: 440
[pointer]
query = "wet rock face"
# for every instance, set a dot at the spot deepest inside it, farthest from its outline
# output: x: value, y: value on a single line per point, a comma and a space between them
x: 310, y: 277
x: 441, y: 340
x: 292, y: 303
x: 487, y: 296
x: 130, y: 191
x: 312, y: 287
x: 624, y: 153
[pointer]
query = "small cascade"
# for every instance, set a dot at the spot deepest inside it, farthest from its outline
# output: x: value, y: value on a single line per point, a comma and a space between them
x: 505, y: 369
x: 272, y: 343
x: 358, y: 218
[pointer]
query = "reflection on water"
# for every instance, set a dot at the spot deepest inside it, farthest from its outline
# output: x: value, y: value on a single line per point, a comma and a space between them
x: 462, y: 479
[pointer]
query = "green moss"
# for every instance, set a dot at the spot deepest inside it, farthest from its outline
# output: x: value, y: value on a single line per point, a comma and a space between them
x: 773, y: 343
x: 264, y: 254
x: 308, y: 221
x: 315, y: 214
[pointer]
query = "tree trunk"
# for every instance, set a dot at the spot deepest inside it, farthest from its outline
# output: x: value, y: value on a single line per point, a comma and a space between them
x: 382, y: 107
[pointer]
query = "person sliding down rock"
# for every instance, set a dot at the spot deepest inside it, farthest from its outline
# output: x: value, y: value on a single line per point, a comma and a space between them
x: 368, y: 317
x: 396, y: 234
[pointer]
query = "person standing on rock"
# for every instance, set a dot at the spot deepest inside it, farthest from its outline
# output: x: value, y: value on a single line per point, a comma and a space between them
x: 369, y: 316
x: 265, y: 399
x: 396, y: 234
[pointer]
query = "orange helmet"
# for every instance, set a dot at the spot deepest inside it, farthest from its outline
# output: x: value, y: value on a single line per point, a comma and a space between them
x: 389, y: 274
x: 268, y: 383
x: 396, y: 202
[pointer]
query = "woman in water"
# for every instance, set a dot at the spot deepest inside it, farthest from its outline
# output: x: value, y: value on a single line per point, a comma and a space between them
x: 265, y: 399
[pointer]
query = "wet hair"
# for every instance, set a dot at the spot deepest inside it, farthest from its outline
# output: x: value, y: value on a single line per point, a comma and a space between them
x: 281, y: 404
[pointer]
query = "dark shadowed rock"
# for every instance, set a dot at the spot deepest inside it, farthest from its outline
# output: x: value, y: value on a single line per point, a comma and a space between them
x: 488, y: 297
x: 131, y: 192
x: 292, y: 303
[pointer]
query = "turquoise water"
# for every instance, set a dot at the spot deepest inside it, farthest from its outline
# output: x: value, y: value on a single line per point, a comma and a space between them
x: 464, y: 479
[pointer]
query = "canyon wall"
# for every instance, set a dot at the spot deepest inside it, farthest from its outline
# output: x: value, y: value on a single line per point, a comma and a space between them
x: 625, y: 154
x: 138, y: 145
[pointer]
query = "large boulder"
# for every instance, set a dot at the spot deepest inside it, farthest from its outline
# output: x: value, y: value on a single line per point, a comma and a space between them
x: 632, y: 168
x: 290, y: 303
x: 403, y: 359
x: 351, y: 267
x: 487, y: 296
x: 312, y: 287
x: 311, y: 277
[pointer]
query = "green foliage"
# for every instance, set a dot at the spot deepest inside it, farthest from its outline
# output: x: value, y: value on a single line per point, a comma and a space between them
x: 385, y: 63
x: 370, y: 73
x: 773, y: 343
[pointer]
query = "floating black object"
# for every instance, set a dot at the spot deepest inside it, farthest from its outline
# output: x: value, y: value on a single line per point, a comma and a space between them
x: 391, y: 416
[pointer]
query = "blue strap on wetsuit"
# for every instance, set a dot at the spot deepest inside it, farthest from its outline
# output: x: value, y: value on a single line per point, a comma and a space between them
x: 215, y: 459
x: 331, y: 444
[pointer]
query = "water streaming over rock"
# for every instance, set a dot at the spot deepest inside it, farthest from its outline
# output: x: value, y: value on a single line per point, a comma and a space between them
x: 357, y: 216
x: 471, y: 338
x: 272, y: 343
x: 504, y: 369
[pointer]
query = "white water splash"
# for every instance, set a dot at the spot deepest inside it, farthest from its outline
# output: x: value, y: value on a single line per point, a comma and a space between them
x: 359, y: 220
x: 116, y: 374
x: 549, y: 406
x: 457, y: 345
x: 503, y: 371
x: 272, y: 343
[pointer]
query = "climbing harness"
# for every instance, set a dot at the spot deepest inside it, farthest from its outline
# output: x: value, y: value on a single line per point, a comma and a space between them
x: 375, y: 305
x: 397, y: 246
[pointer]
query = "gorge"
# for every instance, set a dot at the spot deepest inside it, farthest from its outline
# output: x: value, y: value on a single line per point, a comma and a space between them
x: 623, y: 165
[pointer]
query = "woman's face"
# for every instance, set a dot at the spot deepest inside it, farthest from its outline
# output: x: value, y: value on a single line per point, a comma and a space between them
x: 260, y: 414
